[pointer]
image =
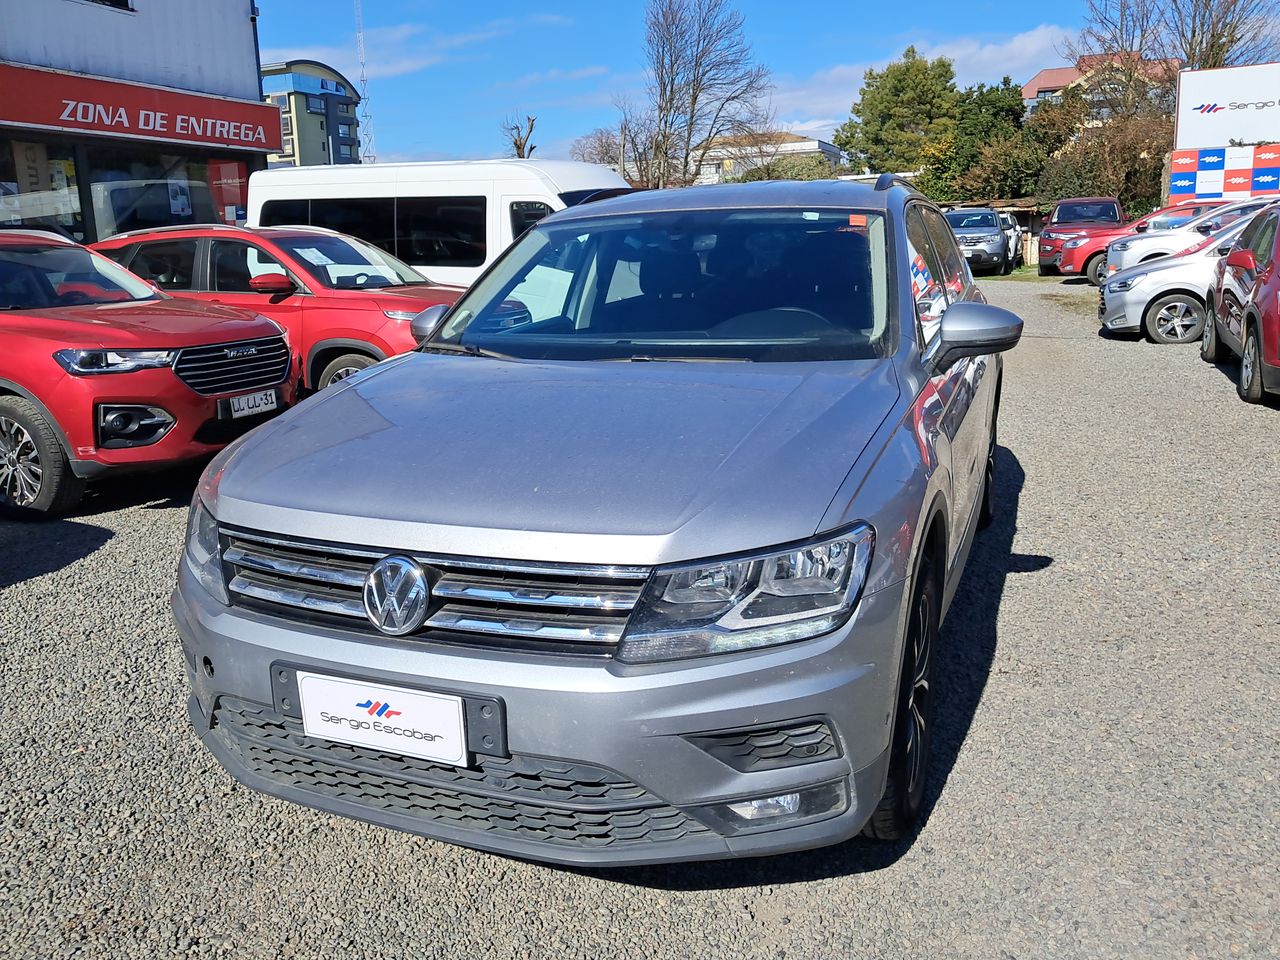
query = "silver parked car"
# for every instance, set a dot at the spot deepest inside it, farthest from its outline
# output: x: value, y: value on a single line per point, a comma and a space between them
x: 1128, y: 251
x: 982, y: 239
x: 1013, y: 234
x: 656, y: 574
x: 1166, y: 299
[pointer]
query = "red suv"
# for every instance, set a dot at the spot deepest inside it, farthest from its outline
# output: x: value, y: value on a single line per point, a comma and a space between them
x: 346, y: 304
x: 1076, y: 217
x: 100, y: 371
x: 1244, y: 308
x: 1086, y: 255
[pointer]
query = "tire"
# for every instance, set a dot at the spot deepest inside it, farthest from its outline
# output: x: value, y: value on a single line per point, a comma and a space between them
x: 1211, y: 348
x: 899, y: 807
x: 36, y: 481
x: 1176, y: 318
x: 1093, y: 269
x: 1249, y: 384
x: 987, y: 512
x: 1006, y: 265
x: 1043, y: 271
x: 343, y: 367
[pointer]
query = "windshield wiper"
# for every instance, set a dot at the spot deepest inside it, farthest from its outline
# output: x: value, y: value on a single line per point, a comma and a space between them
x: 467, y: 349
x: 650, y: 359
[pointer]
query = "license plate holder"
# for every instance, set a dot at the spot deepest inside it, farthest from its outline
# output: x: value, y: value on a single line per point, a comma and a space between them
x: 485, y: 717
x: 249, y: 404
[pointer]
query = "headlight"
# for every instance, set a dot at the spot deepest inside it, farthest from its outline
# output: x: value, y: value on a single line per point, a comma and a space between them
x: 83, y: 363
x: 1072, y: 244
x: 1054, y: 235
x: 202, y: 554
x: 401, y: 314
x: 724, y: 606
x: 1121, y: 245
x: 1128, y: 283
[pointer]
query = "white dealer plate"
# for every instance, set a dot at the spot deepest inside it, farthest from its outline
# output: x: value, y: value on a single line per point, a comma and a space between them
x: 411, y: 722
x: 262, y: 402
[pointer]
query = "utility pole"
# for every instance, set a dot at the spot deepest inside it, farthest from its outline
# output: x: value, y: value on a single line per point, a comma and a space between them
x: 366, y: 115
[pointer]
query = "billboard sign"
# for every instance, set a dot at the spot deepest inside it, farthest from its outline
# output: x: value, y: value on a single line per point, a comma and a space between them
x: 1227, y: 173
x: 1233, y: 104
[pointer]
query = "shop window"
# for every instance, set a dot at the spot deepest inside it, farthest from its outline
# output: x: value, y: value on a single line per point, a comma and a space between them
x: 443, y: 232
x: 169, y: 264
x: 39, y: 188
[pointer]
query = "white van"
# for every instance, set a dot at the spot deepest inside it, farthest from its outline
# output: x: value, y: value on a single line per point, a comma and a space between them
x: 448, y: 220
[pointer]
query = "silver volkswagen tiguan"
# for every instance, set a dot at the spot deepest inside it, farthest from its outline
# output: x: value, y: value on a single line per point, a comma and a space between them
x: 641, y: 557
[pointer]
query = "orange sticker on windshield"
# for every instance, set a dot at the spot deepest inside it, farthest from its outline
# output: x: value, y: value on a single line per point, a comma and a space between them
x: 857, y: 219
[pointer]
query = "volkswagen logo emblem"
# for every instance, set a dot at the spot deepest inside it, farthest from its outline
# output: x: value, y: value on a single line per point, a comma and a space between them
x: 396, y: 595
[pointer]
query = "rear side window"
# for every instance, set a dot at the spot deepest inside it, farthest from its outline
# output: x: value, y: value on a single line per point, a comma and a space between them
x: 524, y: 214
x: 233, y: 264
x: 441, y: 231
x: 169, y: 264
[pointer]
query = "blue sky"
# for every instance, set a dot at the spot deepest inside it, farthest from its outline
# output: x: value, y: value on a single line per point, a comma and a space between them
x: 444, y: 73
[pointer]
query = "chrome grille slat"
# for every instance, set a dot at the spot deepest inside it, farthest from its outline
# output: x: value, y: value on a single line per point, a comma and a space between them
x: 574, y: 606
x: 208, y: 370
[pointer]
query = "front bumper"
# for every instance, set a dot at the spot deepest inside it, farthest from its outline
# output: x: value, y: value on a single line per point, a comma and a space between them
x: 983, y: 256
x: 601, y: 765
x: 1120, y: 312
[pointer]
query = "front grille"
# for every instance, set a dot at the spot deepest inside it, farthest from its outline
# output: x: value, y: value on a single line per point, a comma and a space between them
x: 234, y: 367
x: 971, y: 241
x: 769, y: 748
x: 558, y: 802
x: 551, y: 607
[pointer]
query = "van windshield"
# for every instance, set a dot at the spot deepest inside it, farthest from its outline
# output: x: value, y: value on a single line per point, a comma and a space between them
x: 345, y: 263
x: 762, y: 285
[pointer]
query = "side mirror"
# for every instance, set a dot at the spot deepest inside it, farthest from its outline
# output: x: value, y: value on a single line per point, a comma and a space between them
x: 1207, y: 227
x: 1242, y: 260
x: 971, y: 329
x: 272, y: 283
x: 1141, y: 227
x: 1223, y: 250
x: 426, y: 322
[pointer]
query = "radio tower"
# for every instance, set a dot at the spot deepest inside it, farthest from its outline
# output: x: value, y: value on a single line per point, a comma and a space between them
x: 366, y: 117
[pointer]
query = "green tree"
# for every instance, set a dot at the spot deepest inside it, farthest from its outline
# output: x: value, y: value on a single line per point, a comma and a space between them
x: 940, y: 171
x: 899, y: 109
x: 807, y: 167
x: 985, y: 114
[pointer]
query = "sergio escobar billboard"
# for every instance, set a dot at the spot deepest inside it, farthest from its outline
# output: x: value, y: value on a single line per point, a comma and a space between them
x: 1240, y: 104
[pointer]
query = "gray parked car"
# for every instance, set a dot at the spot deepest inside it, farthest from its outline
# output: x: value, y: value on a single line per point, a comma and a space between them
x: 1166, y: 298
x: 982, y: 239
x: 656, y: 574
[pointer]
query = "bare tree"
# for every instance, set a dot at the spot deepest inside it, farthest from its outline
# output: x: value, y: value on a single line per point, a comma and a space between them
x: 518, y: 133
x: 1204, y: 34
x: 602, y: 145
x: 640, y: 144
x: 1120, y: 51
x: 703, y: 82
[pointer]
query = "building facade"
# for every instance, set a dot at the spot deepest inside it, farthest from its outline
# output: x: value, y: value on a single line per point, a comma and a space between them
x: 729, y: 158
x: 123, y: 114
x: 318, y: 108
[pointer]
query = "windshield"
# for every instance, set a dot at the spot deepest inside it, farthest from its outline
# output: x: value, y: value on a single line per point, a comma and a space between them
x: 764, y: 285
x: 970, y: 220
x: 345, y: 263
x: 55, y: 275
x: 1092, y: 211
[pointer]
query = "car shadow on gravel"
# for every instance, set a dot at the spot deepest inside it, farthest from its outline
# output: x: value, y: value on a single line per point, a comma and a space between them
x: 30, y: 550
x: 967, y: 652
x: 161, y: 490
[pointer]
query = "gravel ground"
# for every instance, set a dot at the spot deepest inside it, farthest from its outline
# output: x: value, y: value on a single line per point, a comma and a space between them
x: 1105, y: 777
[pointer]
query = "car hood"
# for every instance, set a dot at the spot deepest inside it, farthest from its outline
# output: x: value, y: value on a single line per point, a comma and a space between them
x: 1159, y: 267
x: 623, y: 463
x: 416, y: 297
x: 168, y: 323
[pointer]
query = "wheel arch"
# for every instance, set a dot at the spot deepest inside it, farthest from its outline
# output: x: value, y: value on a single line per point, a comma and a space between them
x: 10, y: 389
x: 323, y: 352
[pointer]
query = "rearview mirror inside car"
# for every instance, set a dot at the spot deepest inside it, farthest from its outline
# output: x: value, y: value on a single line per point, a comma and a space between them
x: 425, y: 323
x: 971, y: 329
x: 1242, y: 260
x: 272, y: 283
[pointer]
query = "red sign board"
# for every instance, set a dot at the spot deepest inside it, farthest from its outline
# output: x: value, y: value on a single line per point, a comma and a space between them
x: 53, y: 100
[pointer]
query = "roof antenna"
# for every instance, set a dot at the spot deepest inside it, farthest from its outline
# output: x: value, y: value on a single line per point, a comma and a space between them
x: 366, y: 117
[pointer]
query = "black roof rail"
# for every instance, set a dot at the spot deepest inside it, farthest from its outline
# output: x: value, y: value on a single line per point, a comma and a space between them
x: 887, y: 180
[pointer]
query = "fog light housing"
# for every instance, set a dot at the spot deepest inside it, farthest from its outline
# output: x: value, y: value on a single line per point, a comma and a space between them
x: 131, y: 425
x: 777, y: 810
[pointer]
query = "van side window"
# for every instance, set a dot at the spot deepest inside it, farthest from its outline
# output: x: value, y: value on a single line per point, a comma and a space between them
x: 280, y: 213
x: 372, y: 219
x: 439, y: 231
x: 524, y: 214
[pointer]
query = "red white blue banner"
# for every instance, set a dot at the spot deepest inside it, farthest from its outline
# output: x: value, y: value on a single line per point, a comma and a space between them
x: 1229, y: 173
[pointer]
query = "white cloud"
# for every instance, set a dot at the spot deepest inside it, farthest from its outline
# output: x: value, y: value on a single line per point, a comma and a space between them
x: 816, y: 105
x: 556, y: 75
